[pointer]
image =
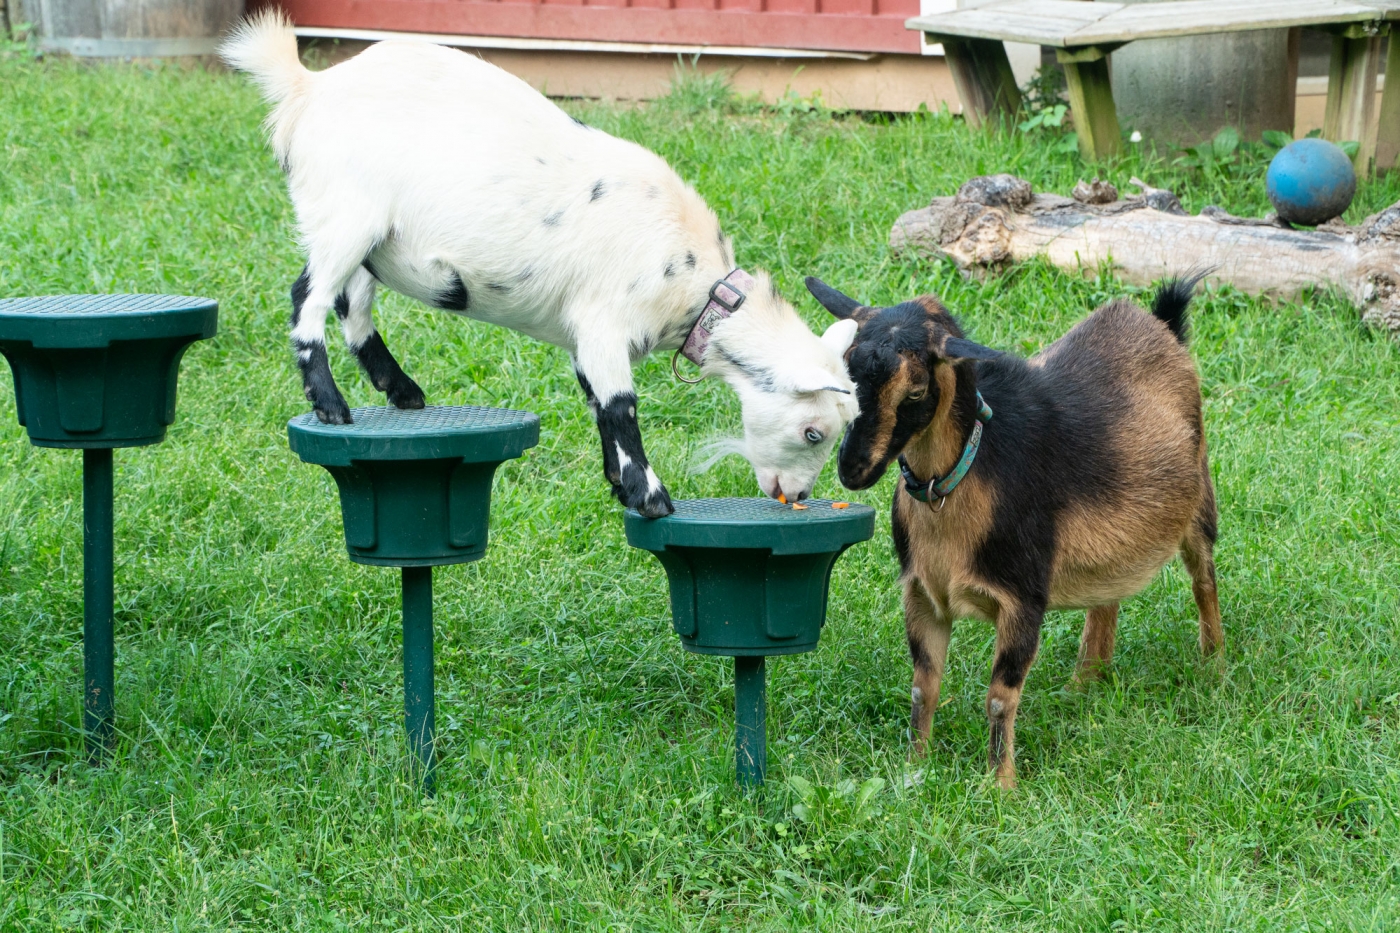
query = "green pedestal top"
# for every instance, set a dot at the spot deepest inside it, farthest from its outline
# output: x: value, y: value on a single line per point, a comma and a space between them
x: 99, y: 370
x: 749, y: 576
x: 415, y: 486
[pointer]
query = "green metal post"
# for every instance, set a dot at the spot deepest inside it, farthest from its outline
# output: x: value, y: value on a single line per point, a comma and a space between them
x: 418, y: 672
x: 98, y: 677
x: 750, y: 735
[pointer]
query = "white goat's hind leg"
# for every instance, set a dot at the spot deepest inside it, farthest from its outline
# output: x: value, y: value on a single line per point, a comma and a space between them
x: 353, y: 307
x: 309, y: 307
x: 606, y: 377
x: 336, y: 252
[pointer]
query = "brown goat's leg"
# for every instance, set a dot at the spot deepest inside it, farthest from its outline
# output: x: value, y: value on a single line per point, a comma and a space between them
x: 1018, y: 638
x: 1200, y: 564
x: 1198, y: 554
x: 928, y: 631
x: 1096, y: 644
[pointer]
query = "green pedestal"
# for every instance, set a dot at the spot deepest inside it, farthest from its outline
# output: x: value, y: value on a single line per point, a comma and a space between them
x: 748, y: 579
x: 415, y: 492
x: 97, y: 372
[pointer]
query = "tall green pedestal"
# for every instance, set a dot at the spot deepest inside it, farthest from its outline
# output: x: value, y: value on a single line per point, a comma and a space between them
x: 749, y: 579
x: 415, y: 493
x: 95, y: 372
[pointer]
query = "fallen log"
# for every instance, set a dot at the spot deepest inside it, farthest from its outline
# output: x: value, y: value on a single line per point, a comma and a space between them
x: 996, y: 220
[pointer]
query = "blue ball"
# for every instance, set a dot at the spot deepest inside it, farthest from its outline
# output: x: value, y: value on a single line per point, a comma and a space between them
x: 1310, y: 181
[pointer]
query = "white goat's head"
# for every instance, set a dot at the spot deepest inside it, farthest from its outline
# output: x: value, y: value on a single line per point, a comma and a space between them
x: 796, y: 395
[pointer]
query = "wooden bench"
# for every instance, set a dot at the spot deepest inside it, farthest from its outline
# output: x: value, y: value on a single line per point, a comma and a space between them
x: 1085, y: 32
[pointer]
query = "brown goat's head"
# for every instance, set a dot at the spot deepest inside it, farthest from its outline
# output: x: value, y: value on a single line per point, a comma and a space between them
x: 903, y: 363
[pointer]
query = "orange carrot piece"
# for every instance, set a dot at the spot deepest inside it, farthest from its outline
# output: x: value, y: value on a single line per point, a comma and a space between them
x: 840, y: 505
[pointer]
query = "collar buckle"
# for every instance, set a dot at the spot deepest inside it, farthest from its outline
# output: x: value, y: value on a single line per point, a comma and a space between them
x: 726, y: 296
x: 941, y: 488
x: 729, y: 304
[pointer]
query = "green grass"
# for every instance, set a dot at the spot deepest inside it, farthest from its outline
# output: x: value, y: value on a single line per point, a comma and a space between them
x: 587, y: 775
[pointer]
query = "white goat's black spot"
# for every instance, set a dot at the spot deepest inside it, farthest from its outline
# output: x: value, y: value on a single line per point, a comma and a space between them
x: 597, y: 191
x: 300, y: 288
x: 552, y: 220
x: 455, y: 297
x: 761, y: 378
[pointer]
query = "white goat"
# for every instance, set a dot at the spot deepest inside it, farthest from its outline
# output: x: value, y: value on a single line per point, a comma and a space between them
x: 448, y: 180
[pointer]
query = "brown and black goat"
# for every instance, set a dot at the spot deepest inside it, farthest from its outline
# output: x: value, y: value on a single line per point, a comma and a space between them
x: 1090, y: 473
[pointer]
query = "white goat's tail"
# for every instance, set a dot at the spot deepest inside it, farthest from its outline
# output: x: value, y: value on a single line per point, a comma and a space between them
x: 264, y: 46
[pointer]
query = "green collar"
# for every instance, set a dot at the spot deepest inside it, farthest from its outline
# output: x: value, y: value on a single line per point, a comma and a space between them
x: 939, y: 488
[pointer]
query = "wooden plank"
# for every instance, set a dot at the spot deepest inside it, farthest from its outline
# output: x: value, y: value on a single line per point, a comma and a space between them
x: 1388, y: 119
x: 1390, y: 8
x: 1203, y: 17
x: 742, y: 28
x: 1095, y: 113
x: 1040, y: 22
x: 1351, y: 96
x: 982, y: 73
x: 1295, y: 48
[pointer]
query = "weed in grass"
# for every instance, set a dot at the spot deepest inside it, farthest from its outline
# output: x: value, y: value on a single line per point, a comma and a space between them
x: 587, y: 779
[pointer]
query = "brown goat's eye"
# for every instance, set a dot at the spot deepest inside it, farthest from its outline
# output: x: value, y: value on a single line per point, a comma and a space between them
x: 917, y: 394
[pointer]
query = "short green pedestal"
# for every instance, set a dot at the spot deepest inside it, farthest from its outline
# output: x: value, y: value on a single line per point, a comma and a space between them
x: 96, y: 372
x: 749, y: 579
x: 415, y: 492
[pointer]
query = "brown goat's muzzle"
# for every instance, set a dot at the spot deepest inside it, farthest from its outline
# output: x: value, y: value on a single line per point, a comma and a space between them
x: 857, y: 466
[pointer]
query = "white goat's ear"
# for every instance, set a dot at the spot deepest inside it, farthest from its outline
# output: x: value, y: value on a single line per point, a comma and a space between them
x: 840, y: 336
x: 813, y: 380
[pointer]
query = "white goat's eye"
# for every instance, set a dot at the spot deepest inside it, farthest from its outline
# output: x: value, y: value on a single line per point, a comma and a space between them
x: 813, y: 436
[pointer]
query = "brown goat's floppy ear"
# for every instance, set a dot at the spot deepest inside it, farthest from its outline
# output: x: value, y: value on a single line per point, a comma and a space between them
x: 842, y: 306
x: 956, y: 348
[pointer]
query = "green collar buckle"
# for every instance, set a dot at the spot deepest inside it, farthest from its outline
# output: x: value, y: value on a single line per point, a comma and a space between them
x: 927, y: 491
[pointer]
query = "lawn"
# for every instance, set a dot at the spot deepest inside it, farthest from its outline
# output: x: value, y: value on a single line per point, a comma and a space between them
x: 587, y: 775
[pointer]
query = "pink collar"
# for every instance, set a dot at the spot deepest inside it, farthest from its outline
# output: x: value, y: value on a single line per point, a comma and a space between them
x: 726, y: 296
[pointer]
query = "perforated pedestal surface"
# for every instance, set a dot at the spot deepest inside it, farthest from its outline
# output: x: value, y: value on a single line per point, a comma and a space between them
x: 754, y: 523
x: 462, y: 431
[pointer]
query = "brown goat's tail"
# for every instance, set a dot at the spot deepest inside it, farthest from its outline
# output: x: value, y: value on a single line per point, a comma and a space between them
x: 1173, y: 296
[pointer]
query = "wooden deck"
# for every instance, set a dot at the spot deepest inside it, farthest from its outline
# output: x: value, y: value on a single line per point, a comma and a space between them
x: 1085, y: 34
x: 1068, y: 24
